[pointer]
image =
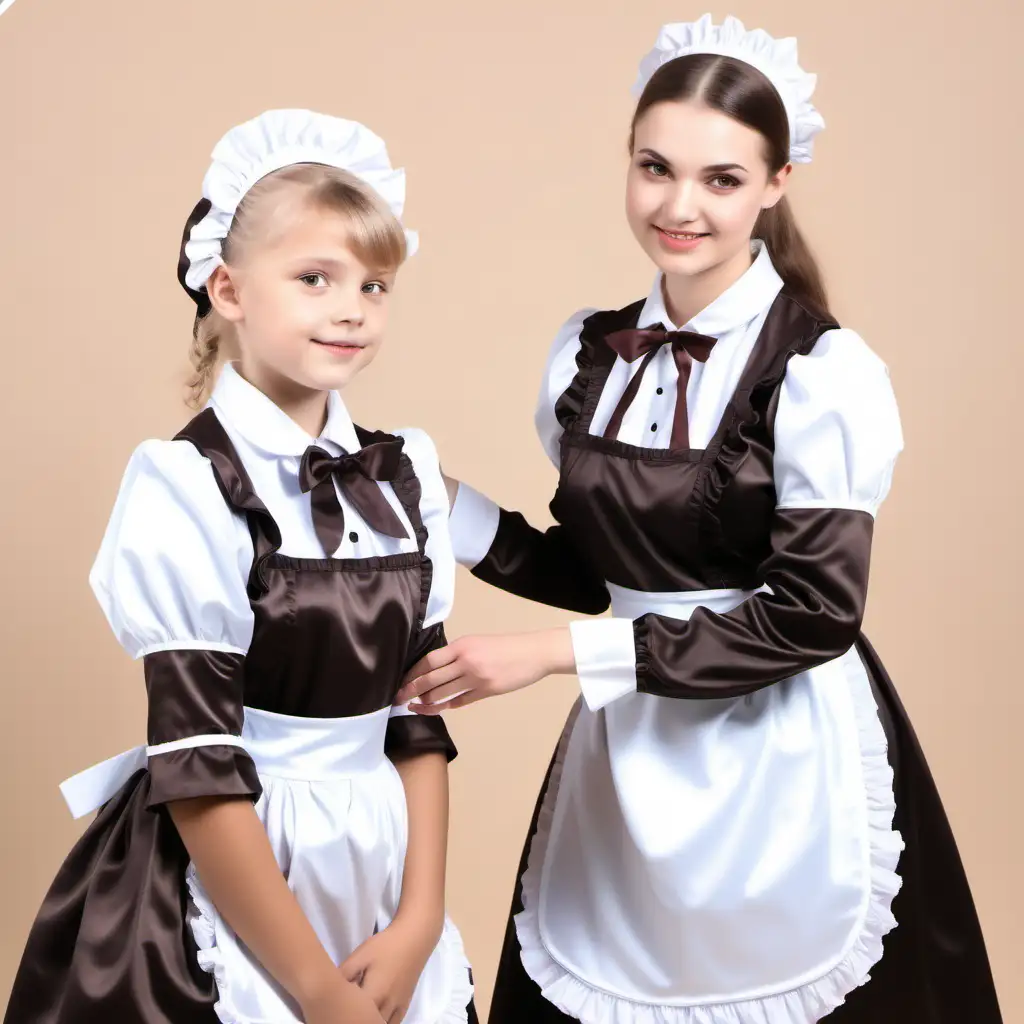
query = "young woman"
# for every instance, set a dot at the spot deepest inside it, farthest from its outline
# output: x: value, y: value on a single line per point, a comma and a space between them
x: 721, y: 835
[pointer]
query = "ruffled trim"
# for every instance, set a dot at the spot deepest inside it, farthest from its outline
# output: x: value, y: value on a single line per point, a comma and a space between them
x: 204, y: 931
x: 776, y: 59
x: 462, y: 986
x: 276, y: 139
x: 809, y: 1002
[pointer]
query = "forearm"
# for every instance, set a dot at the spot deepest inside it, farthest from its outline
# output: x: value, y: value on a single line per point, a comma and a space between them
x: 817, y: 578
x: 234, y: 860
x: 425, y: 779
x: 503, y: 549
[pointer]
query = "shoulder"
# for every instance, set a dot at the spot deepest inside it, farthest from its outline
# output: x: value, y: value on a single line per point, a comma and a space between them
x: 170, y: 475
x: 169, y: 502
x: 842, y: 351
x: 422, y: 452
x: 418, y: 445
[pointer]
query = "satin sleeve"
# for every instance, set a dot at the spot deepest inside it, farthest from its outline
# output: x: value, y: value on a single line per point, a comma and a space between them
x: 170, y: 578
x: 837, y: 438
x: 500, y: 546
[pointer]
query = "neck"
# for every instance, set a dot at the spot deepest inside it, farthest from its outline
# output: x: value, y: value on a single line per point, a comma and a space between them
x: 686, y: 295
x: 306, y: 406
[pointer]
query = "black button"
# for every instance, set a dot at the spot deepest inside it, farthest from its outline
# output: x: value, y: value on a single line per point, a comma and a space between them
x: 654, y: 427
x: 661, y: 391
x: 354, y: 537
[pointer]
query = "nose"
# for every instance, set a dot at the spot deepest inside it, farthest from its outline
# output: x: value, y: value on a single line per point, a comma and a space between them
x: 348, y: 308
x: 680, y: 205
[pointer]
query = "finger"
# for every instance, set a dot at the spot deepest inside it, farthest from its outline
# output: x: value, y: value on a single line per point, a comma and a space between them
x: 436, y: 677
x: 431, y: 660
x: 445, y: 692
x: 376, y: 987
x: 460, y: 701
x: 353, y: 968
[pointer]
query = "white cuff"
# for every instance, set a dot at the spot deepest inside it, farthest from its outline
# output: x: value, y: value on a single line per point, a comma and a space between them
x: 473, y: 525
x: 605, y: 654
x: 400, y: 711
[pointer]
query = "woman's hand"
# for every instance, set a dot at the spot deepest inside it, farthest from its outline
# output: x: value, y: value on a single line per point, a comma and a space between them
x: 474, y: 667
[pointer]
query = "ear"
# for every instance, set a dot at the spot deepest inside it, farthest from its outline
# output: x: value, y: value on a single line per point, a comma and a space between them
x: 776, y: 189
x: 222, y: 288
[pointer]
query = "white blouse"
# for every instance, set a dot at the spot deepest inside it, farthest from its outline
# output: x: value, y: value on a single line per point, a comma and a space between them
x: 173, y: 564
x: 837, y: 432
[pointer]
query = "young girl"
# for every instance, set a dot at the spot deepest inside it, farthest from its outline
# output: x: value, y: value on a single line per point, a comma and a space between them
x: 719, y: 835
x: 276, y: 853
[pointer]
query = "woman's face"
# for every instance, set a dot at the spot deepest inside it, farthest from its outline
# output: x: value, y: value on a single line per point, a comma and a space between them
x: 697, y: 182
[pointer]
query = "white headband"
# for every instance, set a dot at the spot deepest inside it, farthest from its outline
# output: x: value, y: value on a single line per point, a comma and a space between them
x: 276, y: 139
x: 774, y: 58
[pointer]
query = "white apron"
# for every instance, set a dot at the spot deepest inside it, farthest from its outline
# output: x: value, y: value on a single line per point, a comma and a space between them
x: 727, y: 861
x: 334, y: 809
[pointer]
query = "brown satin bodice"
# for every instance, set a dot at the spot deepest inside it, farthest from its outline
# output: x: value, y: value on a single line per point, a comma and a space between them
x: 677, y: 519
x: 331, y: 636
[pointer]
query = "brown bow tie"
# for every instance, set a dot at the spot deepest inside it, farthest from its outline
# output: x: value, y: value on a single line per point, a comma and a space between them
x: 633, y: 343
x: 357, y: 475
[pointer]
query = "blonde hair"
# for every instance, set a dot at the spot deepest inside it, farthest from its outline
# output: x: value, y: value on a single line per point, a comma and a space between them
x: 375, y: 237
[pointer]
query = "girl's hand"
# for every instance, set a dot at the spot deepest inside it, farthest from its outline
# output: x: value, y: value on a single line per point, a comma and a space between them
x: 474, y: 667
x: 388, y: 965
x: 338, y: 1001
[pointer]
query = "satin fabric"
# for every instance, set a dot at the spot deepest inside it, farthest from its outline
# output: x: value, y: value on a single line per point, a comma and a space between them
x: 331, y: 641
x: 698, y: 850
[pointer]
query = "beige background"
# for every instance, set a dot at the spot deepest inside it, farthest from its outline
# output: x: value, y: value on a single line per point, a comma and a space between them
x: 511, y: 120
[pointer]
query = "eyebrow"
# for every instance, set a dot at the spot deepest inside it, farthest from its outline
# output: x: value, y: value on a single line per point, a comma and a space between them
x: 711, y: 169
x: 334, y: 265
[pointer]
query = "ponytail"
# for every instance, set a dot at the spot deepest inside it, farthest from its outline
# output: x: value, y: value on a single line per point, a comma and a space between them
x: 792, y: 256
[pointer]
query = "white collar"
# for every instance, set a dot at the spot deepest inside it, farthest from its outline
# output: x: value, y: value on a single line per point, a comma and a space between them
x: 740, y: 303
x: 263, y: 423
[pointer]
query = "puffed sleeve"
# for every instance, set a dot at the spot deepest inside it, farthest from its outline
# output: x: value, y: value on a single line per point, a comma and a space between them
x: 409, y: 734
x: 837, y: 437
x: 170, y: 577
x: 499, y: 546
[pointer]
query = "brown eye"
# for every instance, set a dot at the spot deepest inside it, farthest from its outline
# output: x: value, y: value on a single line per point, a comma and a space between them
x: 314, y: 280
x: 658, y: 170
x: 725, y: 181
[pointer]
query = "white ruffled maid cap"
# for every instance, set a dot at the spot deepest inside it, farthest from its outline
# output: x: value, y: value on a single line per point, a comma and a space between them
x: 775, y: 58
x: 250, y: 151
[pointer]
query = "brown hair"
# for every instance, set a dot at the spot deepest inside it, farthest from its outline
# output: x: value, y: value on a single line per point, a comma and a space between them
x: 741, y: 92
x: 375, y: 237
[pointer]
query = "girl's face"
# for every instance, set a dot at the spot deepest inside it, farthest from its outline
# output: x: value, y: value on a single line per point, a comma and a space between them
x: 697, y: 181
x: 307, y: 311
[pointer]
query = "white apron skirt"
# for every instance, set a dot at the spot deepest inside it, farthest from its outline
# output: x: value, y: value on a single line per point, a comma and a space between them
x: 334, y: 809
x: 726, y: 861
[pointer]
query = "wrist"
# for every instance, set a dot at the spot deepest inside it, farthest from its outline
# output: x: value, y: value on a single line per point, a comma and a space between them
x: 423, y: 922
x: 310, y: 982
x: 557, y: 655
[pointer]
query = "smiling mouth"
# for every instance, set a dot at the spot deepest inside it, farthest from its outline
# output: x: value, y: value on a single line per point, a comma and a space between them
x: 684, y: 236
x: 344, y: 346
